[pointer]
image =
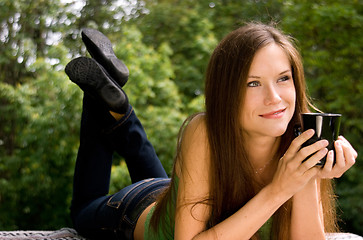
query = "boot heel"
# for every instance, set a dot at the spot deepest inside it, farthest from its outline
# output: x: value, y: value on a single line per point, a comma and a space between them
x: 100, y: 48
x: 92, y: 78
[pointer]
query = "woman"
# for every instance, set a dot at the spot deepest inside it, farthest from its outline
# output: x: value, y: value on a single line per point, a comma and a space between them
x: 237, y: 166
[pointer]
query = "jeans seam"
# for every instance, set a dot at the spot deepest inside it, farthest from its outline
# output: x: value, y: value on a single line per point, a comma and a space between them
x: 145, y: 197
x: 119, y: 123
x: 119, y: 202
x: 139, y: 190
x: 126, y: 218
x: 124, y: 120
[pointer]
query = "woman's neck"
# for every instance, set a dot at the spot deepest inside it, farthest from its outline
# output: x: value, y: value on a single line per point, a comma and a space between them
x: 261, y: 150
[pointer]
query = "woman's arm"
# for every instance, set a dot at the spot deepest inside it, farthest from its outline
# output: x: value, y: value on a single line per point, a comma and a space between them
x: 307, y: 202
x: 190, y: 222
x: 246, y: 221
x: 306, y: 218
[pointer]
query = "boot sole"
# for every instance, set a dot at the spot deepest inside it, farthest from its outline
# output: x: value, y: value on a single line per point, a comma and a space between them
x: 100, y: 48
x: 93, y: 79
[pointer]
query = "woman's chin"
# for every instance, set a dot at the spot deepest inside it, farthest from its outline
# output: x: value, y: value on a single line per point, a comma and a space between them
x: 278, y: 132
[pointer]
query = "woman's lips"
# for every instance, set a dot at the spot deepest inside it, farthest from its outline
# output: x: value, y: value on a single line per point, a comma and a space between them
x: 274, y: 114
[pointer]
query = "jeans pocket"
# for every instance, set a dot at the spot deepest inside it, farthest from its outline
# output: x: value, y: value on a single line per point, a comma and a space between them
x: 118, y: 198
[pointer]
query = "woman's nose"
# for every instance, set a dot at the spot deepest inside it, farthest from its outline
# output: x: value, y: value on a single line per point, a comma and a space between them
x: 272, y: 96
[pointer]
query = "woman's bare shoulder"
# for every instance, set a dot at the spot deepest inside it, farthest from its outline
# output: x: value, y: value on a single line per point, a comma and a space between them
x: 194, y: 153
x: 192, y: 213
x: 196, y: 127
x: 195, y: 133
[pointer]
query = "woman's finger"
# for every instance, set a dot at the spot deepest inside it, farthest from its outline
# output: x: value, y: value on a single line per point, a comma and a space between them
x: 348, y: 145
x: 313, y: 148
x: 314, y: 159
x: 349, y: 154
x: 298, y: 141
x: 345, y: 156
x: 340, y: 160
x: 325, y: 172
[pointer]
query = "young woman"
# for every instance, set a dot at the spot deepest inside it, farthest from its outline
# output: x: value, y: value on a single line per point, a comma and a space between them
x: 238, y: 166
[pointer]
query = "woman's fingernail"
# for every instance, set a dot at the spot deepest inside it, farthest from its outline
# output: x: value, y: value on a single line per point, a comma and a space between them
x: 310, y: 131
x: 331, y: 153
x: 324, y: 142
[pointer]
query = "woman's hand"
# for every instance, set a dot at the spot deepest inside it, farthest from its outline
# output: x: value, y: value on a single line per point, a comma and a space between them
x: 292, y: 173
x: 345, y: 159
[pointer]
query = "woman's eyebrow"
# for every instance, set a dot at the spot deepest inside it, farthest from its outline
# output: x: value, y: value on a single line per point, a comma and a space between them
x: 252, y: 76
x: 286, y: 71
x: 257, y: 77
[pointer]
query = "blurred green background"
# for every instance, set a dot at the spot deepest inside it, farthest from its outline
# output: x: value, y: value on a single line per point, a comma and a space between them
x: 166, y: 44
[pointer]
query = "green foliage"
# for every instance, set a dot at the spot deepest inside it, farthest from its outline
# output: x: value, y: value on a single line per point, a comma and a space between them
x: 166, y: 45
x: 120, y: 177
x: 189, y: 35
x: 331, y: 40
x: 155, y: 97
x: 45, y: 115
x: 192, y: 29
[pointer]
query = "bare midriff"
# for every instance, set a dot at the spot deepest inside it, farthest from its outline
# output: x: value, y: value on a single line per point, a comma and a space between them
x: 140, y: 225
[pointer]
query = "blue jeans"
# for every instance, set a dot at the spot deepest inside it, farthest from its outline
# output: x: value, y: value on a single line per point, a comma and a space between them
x: 95, y: 214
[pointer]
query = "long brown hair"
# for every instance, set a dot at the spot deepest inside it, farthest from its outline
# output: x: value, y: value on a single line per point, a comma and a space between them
x: 233, y: 182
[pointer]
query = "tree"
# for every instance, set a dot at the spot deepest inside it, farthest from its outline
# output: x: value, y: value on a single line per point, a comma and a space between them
x: 153, y: 94
x: 331, y: 40
x: 43, y: 112
x: 192, y: 29
x: 47, y: 112
x: 166, y: 45
x: 188, y: 33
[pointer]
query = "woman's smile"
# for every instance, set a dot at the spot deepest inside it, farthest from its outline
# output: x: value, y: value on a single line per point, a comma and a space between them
x: 274, y: 114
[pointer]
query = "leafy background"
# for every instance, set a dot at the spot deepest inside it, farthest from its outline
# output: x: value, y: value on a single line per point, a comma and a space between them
x: 166, y: 44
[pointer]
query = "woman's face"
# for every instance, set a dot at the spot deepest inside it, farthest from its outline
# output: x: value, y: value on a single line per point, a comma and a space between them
x: 269, y: 102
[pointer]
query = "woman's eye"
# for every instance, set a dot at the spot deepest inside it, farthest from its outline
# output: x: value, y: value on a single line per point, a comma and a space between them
x: 284, y: 78
x: 253, y: 84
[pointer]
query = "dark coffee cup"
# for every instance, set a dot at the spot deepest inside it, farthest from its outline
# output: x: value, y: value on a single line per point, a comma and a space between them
x: 325, y: 125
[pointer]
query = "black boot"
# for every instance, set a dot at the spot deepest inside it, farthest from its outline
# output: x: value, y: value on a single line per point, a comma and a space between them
x: 93, y: 79
x: 100, y: 48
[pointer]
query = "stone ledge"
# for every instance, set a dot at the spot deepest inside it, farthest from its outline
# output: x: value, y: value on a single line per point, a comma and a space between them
x: 61, y: 234
x: 342, y: 236
x: 71, y: 234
